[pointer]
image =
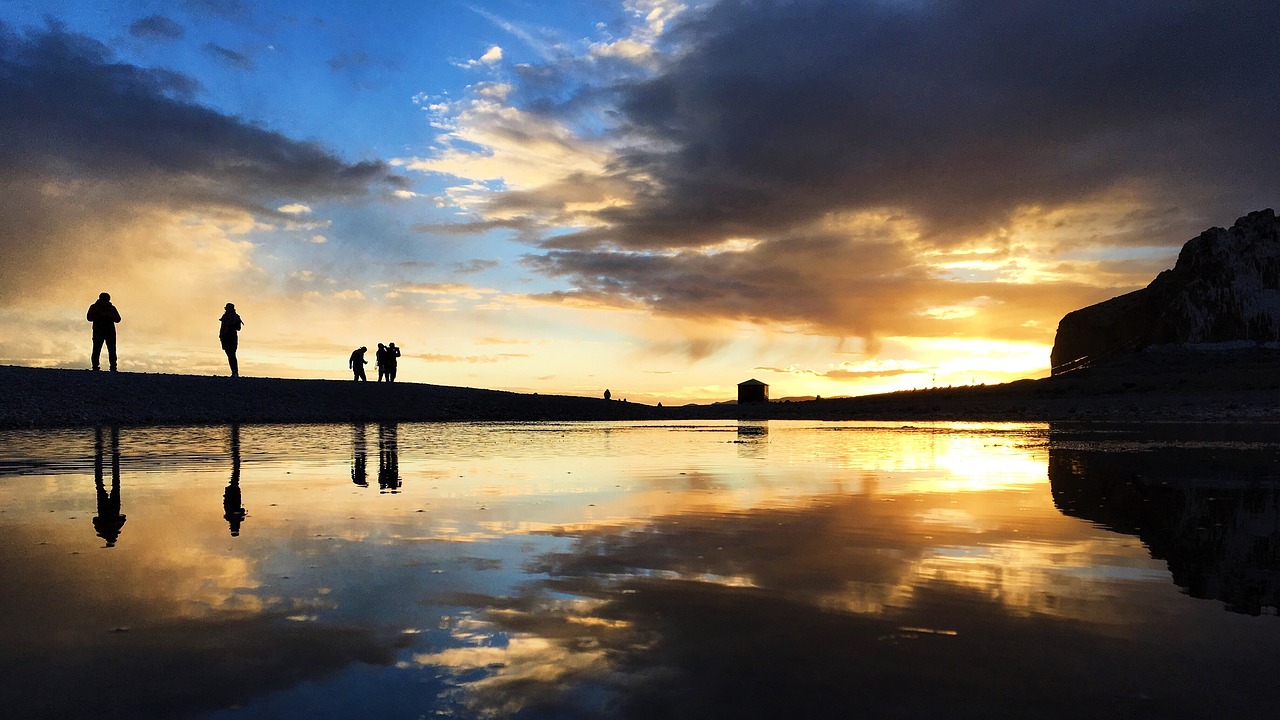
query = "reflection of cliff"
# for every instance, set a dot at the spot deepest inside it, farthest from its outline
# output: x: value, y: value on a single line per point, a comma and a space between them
x: 1212, y: 514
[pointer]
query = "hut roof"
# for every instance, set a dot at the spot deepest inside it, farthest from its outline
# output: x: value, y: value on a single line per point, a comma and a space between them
x: 752, y: 381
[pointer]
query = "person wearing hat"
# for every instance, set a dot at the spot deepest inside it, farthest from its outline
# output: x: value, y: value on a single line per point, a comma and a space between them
x: 228, y: 334
x: 104, y: 317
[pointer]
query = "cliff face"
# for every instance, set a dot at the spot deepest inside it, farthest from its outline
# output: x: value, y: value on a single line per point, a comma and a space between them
x: 1225, y: 287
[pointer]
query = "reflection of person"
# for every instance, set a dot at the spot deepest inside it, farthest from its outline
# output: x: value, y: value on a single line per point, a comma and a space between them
x: 104, y: 317
x: 393, y: 353
x: 109, y: 521
x: 388, y: 459
x: 232, y: 505
x: 381, y: 359
x: 228, y: 334
x: 357, y: 363
x: 359, y: 475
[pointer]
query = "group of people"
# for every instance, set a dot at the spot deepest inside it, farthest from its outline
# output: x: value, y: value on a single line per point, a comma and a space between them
x: 105, y: 316
x: 387, y: 358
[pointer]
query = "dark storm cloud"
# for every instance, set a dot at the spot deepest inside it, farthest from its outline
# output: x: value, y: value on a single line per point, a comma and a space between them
x: 958, y: 112
x: 231, y: 58
x: 91, y: 144
x: 156, y: 27
x: 775, y: 117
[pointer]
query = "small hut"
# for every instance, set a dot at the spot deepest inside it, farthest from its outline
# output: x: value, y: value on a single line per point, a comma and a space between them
x: 752, y: 391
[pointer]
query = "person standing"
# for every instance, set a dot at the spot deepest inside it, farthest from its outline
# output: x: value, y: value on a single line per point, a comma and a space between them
x: 381, y: 357
x: 357, y: 363
x: 229, y: 335
x: 393, y: 355
x: 104, y: 317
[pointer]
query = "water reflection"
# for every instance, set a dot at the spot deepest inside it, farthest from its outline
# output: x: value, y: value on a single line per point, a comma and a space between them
x: 713, y: 570
x: 359, y: 456
x: 753, y: 438
x: 1212, y: 515
x: 109, y: 520
x: 232, y: 505
x: 388, y: 459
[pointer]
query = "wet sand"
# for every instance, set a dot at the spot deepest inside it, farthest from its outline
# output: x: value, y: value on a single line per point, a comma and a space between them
x: 1192, y: 386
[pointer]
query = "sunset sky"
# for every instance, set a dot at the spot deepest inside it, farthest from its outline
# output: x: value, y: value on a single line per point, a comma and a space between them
x: 657, y: 197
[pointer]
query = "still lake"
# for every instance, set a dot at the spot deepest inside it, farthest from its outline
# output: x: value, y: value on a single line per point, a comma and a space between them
x: 647, y: 570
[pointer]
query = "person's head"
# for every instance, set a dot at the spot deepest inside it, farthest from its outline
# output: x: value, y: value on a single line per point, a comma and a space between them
x: 231, y: 306
x: 363, y: 349
x: 381, y: 346
x: 391, y: 345
x: 105, y: 297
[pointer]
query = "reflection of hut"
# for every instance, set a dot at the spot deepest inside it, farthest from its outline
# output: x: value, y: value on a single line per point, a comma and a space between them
x: 753, y: 391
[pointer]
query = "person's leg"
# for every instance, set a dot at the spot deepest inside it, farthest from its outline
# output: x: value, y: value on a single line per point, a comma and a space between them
x: 111, y: 351
x: 97, y: 350
x: 229, y: 347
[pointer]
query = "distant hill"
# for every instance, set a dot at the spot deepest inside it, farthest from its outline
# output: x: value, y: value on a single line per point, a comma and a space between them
x: 1164, y: 384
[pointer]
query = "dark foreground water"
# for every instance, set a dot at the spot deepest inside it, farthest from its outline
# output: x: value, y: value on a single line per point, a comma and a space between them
x: 717, y: 570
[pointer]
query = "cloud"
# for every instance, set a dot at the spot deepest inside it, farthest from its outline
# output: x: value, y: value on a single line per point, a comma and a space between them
x: 86, y: 196
x: 227, y: 9
x: 855, y: 371
x: 362, y: 69
x: 231, y: 58
x: 957, y: 113
x: 471, y: 359
x: 471, y: 267
x: 861, y: 149
x: 491, y: 57
x: 156, y: 27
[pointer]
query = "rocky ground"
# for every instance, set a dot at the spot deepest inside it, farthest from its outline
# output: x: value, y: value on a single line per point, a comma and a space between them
x: 1167, y: 385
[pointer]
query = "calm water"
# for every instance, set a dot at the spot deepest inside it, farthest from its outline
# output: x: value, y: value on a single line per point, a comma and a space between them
x: 773, y: 570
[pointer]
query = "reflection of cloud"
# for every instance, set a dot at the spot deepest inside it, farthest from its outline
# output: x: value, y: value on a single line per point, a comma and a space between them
x: 169, y: 630
x: 914, y: 543
x: 813, y: 611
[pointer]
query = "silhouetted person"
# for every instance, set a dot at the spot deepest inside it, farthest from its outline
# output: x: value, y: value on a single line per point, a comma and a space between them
x: 388, y: 458
x: 104, y: 317
x: 393, y: 355
x: 380, y: 357
x: 229, y: 335
x: 359, y: 461
x: 357, y: 363
x: 607, y: 394
x: 109, y: 521
x: 232, y: 506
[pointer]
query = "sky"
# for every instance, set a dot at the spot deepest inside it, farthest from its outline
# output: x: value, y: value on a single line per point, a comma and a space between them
x: 661, y: 198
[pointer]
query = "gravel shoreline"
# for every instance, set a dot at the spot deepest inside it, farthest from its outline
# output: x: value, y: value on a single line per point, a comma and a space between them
x: 1167, y: 386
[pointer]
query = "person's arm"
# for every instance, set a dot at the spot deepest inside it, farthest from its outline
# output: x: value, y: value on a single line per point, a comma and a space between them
x: 116, y: 313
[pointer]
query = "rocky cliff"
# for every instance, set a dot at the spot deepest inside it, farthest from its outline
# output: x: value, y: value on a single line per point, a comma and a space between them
x: 1225, y: 287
